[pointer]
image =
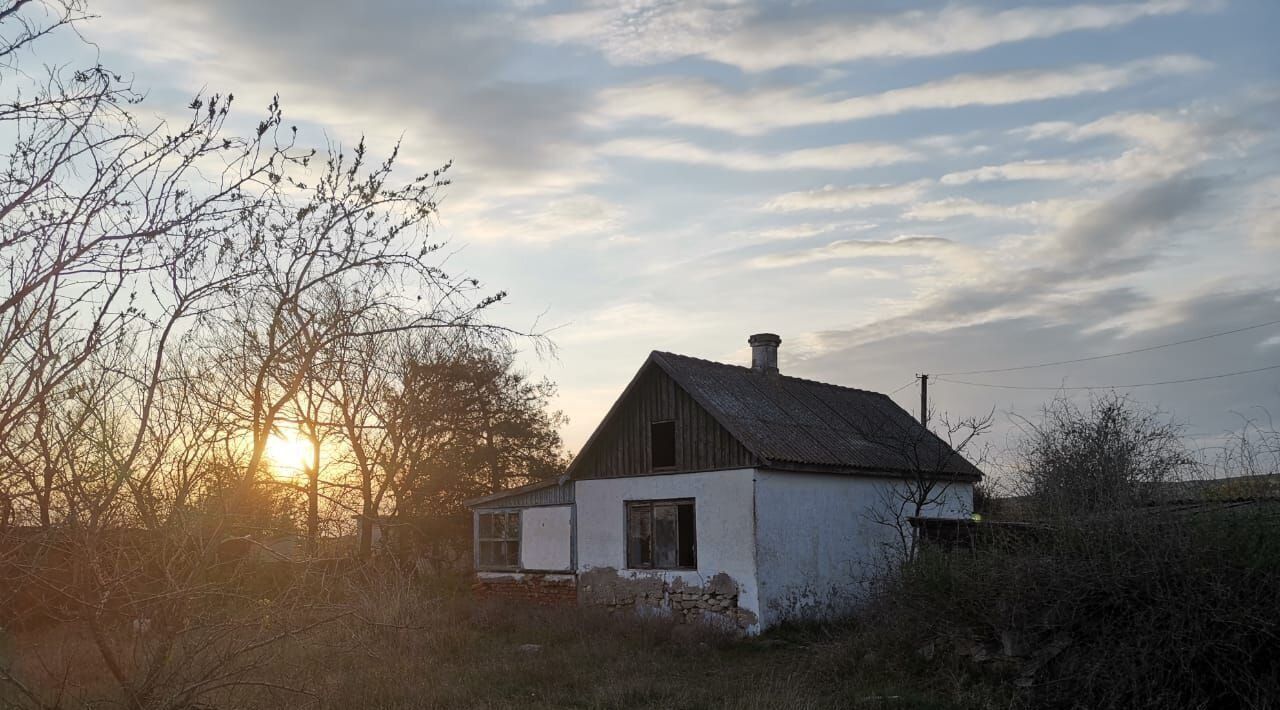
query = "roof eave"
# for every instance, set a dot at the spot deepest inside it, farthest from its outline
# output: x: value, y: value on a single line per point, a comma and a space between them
x: 536, y: 485
x: 872, y: 471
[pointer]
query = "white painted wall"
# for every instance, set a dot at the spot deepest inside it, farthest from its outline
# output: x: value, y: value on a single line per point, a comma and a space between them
x: 819, y: 544
x: 723, y: 516
x: 546, y: 538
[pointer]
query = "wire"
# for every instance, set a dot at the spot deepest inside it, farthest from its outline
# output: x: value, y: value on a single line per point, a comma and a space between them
x: 912, y: 382
x: 1105, y: 387
x: 1103, y: 357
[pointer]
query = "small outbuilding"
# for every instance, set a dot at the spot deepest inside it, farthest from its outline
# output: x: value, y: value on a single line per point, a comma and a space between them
x: 727, y: 494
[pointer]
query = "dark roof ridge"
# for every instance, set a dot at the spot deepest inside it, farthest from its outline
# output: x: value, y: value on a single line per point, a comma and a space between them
x: 665, y: 353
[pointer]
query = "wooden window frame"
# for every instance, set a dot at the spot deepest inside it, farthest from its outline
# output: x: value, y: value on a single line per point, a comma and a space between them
x: 480, y: 539
x: 652, y: 504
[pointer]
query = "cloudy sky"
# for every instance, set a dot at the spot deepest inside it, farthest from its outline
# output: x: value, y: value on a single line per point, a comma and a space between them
x: 894, y: 187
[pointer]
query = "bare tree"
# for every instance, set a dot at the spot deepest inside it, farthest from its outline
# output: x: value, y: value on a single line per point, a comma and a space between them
x: 362, y: 381
x: 928, y: 469
x: 1249, y: 456
x: 112, y: 233
x: 1111, y: 454
x: 171, y: 292
x: 350, y: 262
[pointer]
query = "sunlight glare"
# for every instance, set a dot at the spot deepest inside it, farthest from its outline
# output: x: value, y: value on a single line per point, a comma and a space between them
x: 289, y: 452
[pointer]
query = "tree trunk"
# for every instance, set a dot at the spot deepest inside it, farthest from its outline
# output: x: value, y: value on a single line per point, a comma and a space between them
x: 491, y: 456
x: 367, y: 513
x: 313, y: 498
x: 44, y: 498
x: 313, y: 511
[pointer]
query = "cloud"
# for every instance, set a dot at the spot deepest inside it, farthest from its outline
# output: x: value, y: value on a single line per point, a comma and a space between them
x: 1050, y: 211
x: 696, y: 102
x: 1264, y: 222
x: 863, y: 273
x: 905, y: 245
x: 841, y: 199
x: 1128, y: 224
x: 847, y: 156
x: 370, y: 68
x: 804, y: 230
x: 653, y: 31
x: 631, y: 320
x: 1160, y: 146
x: 643, y: 31
x: 541, y: 221
x: 1070, y: 170
x: 1137, y: 127
x: 1110, y: 240
x: 1132, y: 166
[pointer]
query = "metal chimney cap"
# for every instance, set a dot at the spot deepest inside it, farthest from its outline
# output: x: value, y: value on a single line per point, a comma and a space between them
x: 764, y: 339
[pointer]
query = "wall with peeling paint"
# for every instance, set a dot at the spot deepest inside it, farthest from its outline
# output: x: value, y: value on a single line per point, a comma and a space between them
x: 772, y: 546
x: 723, y: 505
x: 820, y: 541
x: 546, y: 538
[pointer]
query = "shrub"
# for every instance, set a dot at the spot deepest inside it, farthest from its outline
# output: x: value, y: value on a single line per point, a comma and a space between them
x: 1105, y: 456
x: 1141, y: 609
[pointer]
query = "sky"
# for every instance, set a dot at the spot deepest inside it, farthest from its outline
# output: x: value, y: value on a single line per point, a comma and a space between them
x: 893, y: 187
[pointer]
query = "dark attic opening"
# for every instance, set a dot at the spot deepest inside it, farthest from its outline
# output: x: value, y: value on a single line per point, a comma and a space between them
x: 662, y: 442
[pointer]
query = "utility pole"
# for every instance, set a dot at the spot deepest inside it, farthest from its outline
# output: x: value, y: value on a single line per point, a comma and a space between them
x: 924, y: 399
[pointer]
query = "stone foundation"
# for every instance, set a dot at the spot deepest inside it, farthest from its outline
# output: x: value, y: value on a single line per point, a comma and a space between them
x: 541, y: 589
x: 715, y: 603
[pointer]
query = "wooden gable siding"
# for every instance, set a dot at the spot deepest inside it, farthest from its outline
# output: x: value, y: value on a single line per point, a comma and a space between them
x: 622, y: 448
x: 546, y: 495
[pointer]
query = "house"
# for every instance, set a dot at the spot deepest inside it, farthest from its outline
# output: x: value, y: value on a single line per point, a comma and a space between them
x: 732, y: 494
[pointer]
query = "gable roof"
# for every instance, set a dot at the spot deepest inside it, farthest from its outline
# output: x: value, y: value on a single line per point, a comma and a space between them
x: 794, y: 423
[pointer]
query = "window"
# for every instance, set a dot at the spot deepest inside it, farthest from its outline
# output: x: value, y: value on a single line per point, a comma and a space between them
x: 662, y: 444
x: 499, y: 540
x: 661, y: 535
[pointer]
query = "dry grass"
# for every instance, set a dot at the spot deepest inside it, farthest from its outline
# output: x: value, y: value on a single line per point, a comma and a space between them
x: 404, y: 647
x: 473, y: 657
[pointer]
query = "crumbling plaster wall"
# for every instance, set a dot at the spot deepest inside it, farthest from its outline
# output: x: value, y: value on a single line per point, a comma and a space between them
x: 821, y: 539
x: 724, y: 520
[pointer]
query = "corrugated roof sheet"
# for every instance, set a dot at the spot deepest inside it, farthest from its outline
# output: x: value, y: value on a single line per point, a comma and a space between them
x: 792, y: 421
x: 549, y: 492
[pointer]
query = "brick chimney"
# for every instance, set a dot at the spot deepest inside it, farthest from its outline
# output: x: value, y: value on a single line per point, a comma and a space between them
x: 764, y: 352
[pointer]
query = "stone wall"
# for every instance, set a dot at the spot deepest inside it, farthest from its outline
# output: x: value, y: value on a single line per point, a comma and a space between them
x: 541, y: 589
x: 715, y: 602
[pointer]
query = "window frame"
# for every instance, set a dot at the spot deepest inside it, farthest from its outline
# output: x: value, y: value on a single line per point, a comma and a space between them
x: 481, y: 539
x: 675, y: 454
x: 653, y: 504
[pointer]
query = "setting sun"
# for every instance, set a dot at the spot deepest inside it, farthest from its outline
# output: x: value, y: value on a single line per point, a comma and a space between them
x: 289, y: 452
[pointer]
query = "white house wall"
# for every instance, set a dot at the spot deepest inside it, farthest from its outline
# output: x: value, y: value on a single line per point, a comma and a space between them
x: 546, y: 538
x: 723, y: 518
x: 821, y: 539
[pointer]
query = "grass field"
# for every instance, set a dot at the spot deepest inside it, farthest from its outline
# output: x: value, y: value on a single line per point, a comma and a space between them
x: 423, y: 652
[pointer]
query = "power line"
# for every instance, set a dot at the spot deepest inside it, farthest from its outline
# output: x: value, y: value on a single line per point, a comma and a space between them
x: 1103, y: 357
x: 910, y: 382
x: 1106, y: 387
